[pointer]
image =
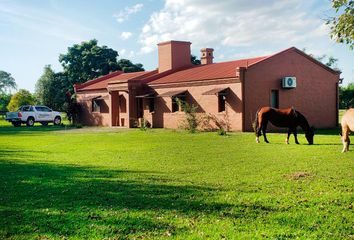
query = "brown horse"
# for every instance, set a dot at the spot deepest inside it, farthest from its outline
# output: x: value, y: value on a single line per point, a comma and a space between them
x: 288, y: 117
x: 347, y: 127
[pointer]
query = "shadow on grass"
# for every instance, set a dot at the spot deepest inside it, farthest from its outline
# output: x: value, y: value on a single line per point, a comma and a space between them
x: 11, y: 130
x: 69, y: 201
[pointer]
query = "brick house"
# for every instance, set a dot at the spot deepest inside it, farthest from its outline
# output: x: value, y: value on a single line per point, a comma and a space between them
x: 229, y: 92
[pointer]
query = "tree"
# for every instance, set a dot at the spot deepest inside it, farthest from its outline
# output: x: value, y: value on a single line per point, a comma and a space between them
x: 342, y: 26
x: 329, y: 61
x: 127, y: 66
x: 7, y: 82
x: 4, y: 101
x: 195, y: 60
x: 346, y: 96
x: 22, y: 97
x: 87, y: 61
x: 44, y: 91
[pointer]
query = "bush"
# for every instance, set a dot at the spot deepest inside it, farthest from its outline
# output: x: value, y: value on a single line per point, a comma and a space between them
x: 191, y: 122
x: 222, y: 132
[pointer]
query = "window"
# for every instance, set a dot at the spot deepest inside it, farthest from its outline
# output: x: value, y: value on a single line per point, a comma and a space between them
x: 151, y: 105
x: 96, y: 106
x: 274, y: 99
x: 221, y: 102
x: 27, y: 109
x: 177, y: 103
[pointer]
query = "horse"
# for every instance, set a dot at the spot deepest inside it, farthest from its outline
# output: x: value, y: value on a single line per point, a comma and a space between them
x: 347, y: 127
x: 288, y: 117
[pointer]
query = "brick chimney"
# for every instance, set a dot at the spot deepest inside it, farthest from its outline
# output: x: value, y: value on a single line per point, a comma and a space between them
x: 174, y: 54
x: 207, y: 55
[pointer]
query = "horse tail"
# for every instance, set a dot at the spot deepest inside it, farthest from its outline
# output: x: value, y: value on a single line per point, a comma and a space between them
x: 255, y: 122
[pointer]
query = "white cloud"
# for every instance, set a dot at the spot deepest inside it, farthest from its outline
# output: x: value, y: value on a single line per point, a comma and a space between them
x: 230, y: 23
x: 127, y: 11
x: 126, y: 35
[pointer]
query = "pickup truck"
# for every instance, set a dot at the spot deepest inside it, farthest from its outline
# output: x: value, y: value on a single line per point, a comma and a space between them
x: 30, y: 114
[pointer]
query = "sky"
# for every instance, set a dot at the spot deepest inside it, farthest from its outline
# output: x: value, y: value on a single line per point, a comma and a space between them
x: 33, y: 33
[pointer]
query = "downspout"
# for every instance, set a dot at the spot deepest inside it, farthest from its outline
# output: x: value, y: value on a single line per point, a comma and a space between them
x: 240, y: 74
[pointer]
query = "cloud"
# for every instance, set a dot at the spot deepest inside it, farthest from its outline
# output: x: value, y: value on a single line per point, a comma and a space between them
x: 127, y: 11
x: 230, y: 23
x: 126, y: 35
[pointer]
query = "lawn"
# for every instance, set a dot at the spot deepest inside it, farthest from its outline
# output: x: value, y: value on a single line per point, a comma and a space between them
x: 98, y: 183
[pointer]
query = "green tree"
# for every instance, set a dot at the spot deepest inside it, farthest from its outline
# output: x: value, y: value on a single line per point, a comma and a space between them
x: 195, y: 60
x: 44, y: 90
x: 4, y: 101
x: 346, y: 96
x: 87, y: 61
x: 22, y: 97
x: 51, y: 88
x: 342, y: 26
x: 7, y: 82
x: 127, y: 66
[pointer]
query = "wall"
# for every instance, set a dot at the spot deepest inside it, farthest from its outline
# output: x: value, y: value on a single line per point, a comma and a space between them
x: 207, y: 105
x: 315, y: 95
x: 89, y: 118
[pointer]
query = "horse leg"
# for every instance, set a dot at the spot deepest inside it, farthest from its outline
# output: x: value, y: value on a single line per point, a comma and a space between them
x: 264, y: 129
x: 295, y: 135
x: 346, y: 141
x: 258, y: 132
x: 287, y: 138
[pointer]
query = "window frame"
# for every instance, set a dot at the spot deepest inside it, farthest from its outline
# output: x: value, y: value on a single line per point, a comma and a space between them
x: 221, y: 102
x: 176, y: 106
x: 96, y: 107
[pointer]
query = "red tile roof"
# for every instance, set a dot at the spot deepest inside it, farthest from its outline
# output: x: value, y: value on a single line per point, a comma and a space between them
x: 102, y: 82
x: 208, y: 71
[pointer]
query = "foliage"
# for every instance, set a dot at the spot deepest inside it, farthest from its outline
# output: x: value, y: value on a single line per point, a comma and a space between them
x: 342, y: 26
x: 7, y: 82
x: 71, y: 108
x: 222, y: 132
x: 191, y: 121
x: 127, y: 66
x: 118, y: 184
x: 87, y: 61
x: 4, y: 101
x: 346, y: 96
x: 144, y: 124
x: 329, y: 61
x: 195, y: 60
x: 22, y: 97
x: 51, y: 88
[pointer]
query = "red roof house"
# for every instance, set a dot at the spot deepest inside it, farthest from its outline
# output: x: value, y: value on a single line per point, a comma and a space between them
x: 225, y: 93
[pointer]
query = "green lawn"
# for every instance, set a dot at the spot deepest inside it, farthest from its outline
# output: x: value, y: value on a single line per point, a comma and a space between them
x: 98, y: 183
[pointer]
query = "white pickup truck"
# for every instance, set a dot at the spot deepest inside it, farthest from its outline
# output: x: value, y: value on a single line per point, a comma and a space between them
x: 30, y: 114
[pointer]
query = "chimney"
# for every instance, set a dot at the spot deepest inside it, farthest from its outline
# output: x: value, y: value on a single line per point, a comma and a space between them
x: 173, y: 55
x: 207, y: 55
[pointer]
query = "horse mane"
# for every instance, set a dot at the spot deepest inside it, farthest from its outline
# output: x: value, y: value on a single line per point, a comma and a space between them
x: 304, y: 124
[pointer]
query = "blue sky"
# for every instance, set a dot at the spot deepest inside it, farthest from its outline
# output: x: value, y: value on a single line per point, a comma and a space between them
x: 35, y: 32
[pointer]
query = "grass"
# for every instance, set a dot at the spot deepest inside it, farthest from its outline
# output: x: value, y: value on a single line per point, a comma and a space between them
x: 129, y: 184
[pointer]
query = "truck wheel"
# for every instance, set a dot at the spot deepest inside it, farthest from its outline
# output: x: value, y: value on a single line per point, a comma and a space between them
x: 16, y: 124
x: 57, y: 120
x: 30, y: 122
x: 44, y: 123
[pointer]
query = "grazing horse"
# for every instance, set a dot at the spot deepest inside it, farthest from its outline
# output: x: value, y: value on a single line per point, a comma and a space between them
x: 347, y: 127
x: 288, y: 117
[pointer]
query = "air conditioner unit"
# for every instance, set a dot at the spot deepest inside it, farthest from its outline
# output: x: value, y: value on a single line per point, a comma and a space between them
x: 289, y: 82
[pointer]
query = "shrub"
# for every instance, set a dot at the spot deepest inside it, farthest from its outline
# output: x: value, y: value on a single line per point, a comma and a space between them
x: 191, y: 121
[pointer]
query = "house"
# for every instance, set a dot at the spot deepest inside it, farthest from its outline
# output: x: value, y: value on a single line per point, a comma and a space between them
x: 226, y: 92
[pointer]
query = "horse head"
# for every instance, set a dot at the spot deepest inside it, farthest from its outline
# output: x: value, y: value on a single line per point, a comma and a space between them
x: 309, y: 135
